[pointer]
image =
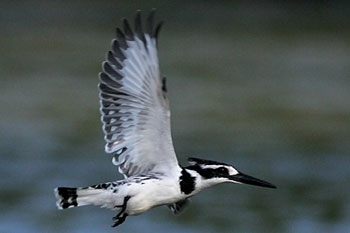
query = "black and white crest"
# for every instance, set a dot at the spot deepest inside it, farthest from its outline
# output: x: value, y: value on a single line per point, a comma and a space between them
x: 197, y: 161
x: 211, y: 169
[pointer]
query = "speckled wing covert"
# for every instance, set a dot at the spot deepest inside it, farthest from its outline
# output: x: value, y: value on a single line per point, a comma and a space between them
x: 134, y: 107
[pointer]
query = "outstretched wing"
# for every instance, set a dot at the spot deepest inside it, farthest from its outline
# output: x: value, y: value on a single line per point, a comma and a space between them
x: 134, y: 107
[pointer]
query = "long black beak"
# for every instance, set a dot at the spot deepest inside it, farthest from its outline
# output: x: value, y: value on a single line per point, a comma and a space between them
x: 245, y: 179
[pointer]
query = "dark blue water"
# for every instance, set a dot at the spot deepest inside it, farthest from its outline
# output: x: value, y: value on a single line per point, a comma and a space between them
x: 265, y: 87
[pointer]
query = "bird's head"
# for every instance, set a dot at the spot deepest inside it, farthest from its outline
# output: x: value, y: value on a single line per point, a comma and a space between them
x: 213, y: 172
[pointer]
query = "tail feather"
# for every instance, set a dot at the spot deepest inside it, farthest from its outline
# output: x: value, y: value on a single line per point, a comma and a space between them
x: 73, y: 197
x: 66, y: 197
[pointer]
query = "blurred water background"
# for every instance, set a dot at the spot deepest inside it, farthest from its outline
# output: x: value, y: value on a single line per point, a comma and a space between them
x: 264, y: 85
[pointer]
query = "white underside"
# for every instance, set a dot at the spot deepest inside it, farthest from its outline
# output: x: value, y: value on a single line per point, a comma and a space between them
x: 144, y: 195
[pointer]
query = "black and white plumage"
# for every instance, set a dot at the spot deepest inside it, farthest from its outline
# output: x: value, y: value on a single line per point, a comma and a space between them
x: 135, y: 110
x: 136, y: 123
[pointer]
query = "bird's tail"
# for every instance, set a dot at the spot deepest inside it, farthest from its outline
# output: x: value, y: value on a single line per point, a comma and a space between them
x: 73, y: 197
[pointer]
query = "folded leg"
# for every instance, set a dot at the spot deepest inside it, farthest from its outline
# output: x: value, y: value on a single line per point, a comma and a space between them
x: 121, y: 216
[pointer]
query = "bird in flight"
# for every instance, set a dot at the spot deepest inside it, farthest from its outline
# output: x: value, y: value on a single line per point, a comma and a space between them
x: 136, y: 123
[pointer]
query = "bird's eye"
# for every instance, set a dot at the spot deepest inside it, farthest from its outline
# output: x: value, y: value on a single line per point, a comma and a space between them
x: 223, y: 170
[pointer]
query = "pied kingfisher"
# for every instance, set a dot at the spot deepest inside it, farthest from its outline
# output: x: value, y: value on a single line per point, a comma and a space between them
x: 136, y: 123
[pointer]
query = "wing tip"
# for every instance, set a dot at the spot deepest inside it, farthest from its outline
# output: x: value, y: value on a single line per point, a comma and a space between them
x: 158, y: 28
x: 112, y: 58
x: 117, y: 50
x: 122, y: 36
x: 121, y: 39
x: 127, y: 30
x: 150, y: 22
